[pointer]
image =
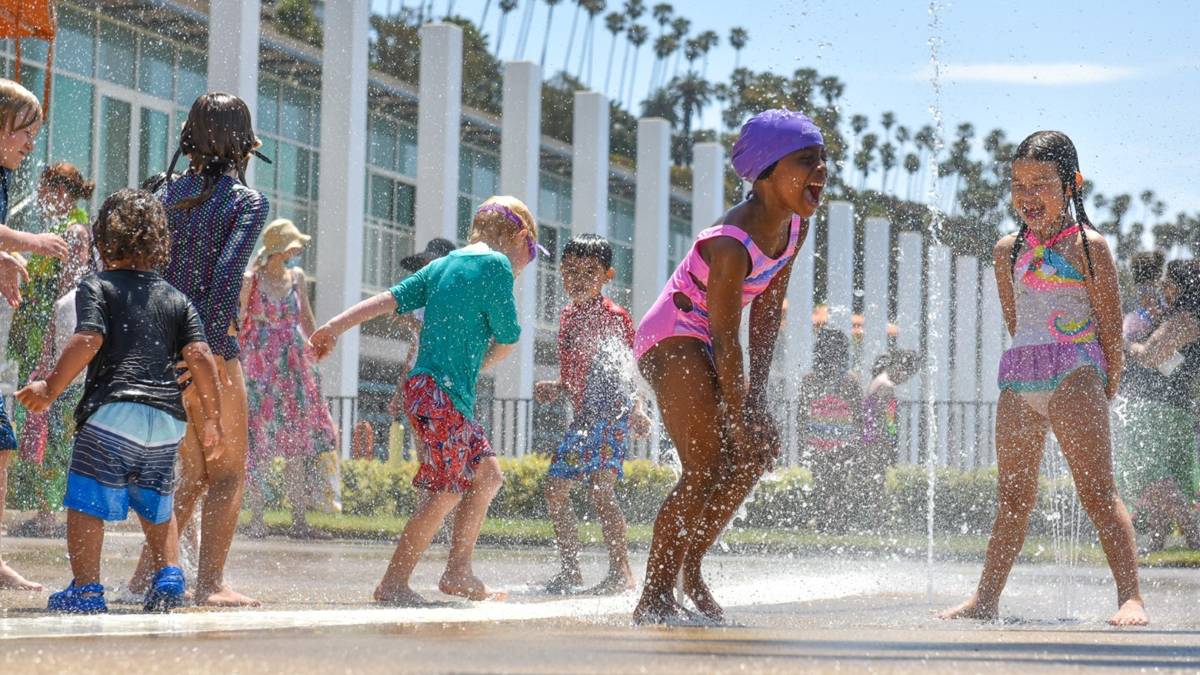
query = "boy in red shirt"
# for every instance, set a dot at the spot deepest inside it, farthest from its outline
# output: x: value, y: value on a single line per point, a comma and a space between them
x: 595, y: 347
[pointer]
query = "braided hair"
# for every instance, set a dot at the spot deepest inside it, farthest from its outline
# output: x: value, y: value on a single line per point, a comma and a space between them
x: 1056, y: 147
x: 218, y: 136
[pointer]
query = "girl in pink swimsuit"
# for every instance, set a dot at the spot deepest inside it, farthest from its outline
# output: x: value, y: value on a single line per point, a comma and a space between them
x: 689, y: 351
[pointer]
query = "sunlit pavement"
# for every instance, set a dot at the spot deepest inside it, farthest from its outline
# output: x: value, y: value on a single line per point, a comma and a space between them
x: 789, y: 614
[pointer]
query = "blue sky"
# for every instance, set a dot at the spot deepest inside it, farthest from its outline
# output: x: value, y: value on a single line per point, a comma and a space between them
x: 1122, y: 79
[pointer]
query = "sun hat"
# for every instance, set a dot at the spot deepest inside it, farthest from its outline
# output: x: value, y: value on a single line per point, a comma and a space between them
x: 281, y: 235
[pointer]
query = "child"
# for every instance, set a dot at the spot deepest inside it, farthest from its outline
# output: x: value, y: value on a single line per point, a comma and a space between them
x: 470, y: 324
x: 830, y: 427
x: 289, y: 418
x: 595, y: 341
x: 880, y: 430
x: 214, y: 221
x: 688, y: 348
x: 45, y: 439
x: 1057, y: 284
x: 132, y: 327
x: 20, y: 121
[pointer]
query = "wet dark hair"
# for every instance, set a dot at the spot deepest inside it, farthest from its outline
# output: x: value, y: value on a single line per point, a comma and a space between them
x: 1056, y: 147
x: 1186, y: 275
x: 896, y: 360
x: 763, y: 175
x: 132, y: 226
x: 590, y: 246
x: 1147, y: 266
x: 218, y: 136
x: 831, y: 352
x: 64, y: 176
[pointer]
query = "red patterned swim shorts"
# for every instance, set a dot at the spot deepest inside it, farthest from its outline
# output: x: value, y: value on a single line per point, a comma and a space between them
x: 451, y: 445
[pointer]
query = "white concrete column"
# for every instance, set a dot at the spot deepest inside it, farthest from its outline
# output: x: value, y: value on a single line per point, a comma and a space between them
x: 876, y: 256
x: 520, y: 151
x: 937, y: 347
x: 439, y: 120
x: 589, y: 165
x: 966, y: 345
x: 797, y: 339
x: 233, y: 28
x: 708, y: 185
x: 909, y: 318
x: 992, y: 339
x: 340, y: 209
x: 839, y: 262
x: 652, y: 210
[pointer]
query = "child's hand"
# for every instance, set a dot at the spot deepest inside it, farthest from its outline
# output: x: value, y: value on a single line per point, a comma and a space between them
x: 322, y: 342
x: 761, y: 436
x: 36, y: 396
x: 639, y: 424
x: 210, y: 433
x: 12, y: 275
x: 49, y: 244
x: 546, y: 391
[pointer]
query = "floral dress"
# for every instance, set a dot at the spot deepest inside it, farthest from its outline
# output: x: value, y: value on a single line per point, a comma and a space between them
x: 44, y: 438
x: 288, y: 417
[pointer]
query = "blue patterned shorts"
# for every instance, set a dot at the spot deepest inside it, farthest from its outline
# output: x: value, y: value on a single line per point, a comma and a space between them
x: 587, y: 448
x: 8, y: 439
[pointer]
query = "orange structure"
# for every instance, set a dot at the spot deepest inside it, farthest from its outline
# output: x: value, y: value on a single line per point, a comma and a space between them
x: 29, y: 19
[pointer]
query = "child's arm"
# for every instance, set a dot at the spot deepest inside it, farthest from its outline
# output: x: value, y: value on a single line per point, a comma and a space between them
x: 728, y: 265
x: 200, y: 364
x: 308, y: 322
x: 1178, y: 331
x: 12, y: 275
x: 497, y: 353
x: 44, y: 244
x: 231, y: 265
x: 244, y: 294
x: 79, y: 352
x: 1002, y: 266
x: 766, y: 316
x: 1106, y: 303
x: 324, y: 339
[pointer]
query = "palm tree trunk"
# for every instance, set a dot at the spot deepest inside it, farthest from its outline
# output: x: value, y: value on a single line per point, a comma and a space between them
x: 483, y: 19
x: 500, y: 32
x: 546, y: 38
x: 633, y: 75
x: 737, y: 59
x: 526, y: 24
x: 583, y: 49
x: 571, y: 39
x: 624, y: 66
x: 608, y: 74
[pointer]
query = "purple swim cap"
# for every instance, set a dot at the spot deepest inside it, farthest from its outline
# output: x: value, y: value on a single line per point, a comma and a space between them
x: 770, y: 136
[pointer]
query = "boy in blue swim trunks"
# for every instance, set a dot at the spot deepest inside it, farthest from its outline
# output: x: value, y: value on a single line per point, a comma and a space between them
x: 595, y: 347
x: 132, y: 327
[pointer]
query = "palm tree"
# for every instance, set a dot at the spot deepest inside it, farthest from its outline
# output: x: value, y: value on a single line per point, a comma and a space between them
x: 708, y: 41
x: 571, y: 39
x: 887, y: 120
x: 1147, y: 199
x: 858, y: 124
x: 887, y: 160
x: 526, y: 24
x: 506, y: 6
x: 693, y: 93
x: 483, y: 19
x: 662, y: 103
x: 637, y: 37
x: 633, y: 10
x: 593, y: 9
x: 614, y: 23
x: 738, y: 37
x: 692, y: 49
x: 912, y: 164
x: 549, y: 22
x: 664, y: 46
x: 680, y: 27
x: 864, y: 158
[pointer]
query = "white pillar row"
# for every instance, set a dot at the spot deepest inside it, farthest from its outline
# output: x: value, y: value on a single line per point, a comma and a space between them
x: 589, y: 167
x: 992, y: 339
x: 520, y: 153
x: 797, y: 338
x: 876, y: 255
x: 341, y: 183
x: 839, y: 265
x: 966, y: 343
x: 233, y: 28
x: 652, y: 211
x: 909, y: 319
x: 937, y: 347
x: 439, y: 122
x: 708, y: 185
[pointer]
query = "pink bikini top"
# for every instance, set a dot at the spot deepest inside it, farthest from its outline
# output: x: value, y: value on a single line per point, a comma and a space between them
x: 763, y: 268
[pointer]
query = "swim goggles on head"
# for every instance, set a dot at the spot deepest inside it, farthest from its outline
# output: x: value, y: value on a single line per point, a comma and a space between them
x: 534, y: 246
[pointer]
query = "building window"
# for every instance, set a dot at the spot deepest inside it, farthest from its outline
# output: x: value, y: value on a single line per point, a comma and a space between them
x: 478, y: 179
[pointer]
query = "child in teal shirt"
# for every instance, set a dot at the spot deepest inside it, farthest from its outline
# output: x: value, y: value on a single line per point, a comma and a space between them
x: 470, y: 324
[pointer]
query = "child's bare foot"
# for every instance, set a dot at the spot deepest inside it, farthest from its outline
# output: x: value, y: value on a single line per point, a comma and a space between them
x: 11, y: 581
x: 564, y: 582
x: 661, y: 609
x: 971, y: 609
x: 468, y: 586
x: 1131, y: 613
x: 613, y: 584
x: 697, y: 591
x: 225, y: 597
x: 401, y: 597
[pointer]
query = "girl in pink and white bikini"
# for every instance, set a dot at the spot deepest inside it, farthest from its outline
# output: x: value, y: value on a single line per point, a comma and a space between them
x: 688, y: 349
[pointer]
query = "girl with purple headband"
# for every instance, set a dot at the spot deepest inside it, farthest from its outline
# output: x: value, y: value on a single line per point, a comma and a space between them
x: 688, y: 349
x: 470, y: 324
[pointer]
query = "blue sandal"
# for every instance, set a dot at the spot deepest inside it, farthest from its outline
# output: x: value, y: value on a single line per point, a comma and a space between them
x: 166, y: 592
x: 88, y: 599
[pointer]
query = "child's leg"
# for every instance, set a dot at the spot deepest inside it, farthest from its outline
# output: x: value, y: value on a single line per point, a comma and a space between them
x: 566, y: 534
x: 612, y: 523
x: 459, y: 578
x: 295, y: 483
x: 256, y: 502
x: 685, y: 386
x: 1079, y: 415
x: 85, y: 539
x: 163, y: 541
x: 414, y: 540
x: 9, y: 579
x: 1020, y: 441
